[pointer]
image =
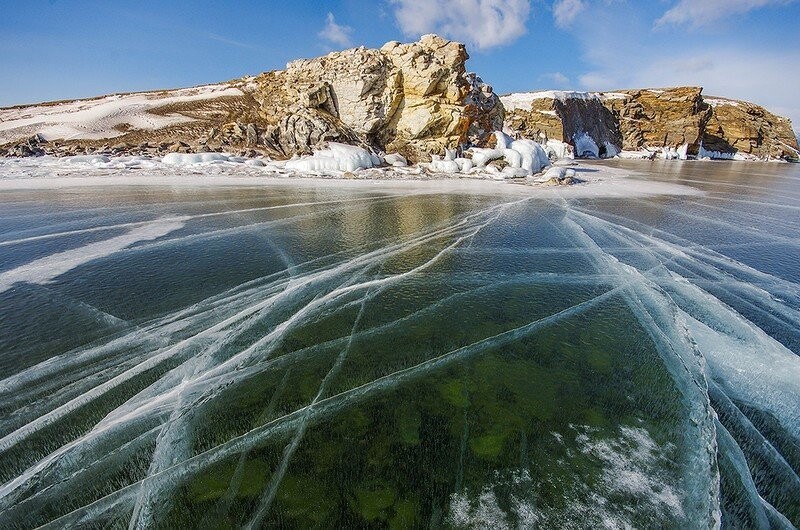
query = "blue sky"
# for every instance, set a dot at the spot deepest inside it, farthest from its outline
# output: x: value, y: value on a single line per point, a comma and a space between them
x: 749, y: 49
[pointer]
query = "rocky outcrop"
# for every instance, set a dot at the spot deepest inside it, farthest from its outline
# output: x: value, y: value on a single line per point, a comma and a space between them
x: 678, y: 119
x: 415, y: 99
x: 742, y: 127
x: 670, y: 117
x: 33, y: 146
x: 571, y: 117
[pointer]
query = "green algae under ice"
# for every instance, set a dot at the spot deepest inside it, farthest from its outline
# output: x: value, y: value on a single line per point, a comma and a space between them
x: 317, y: 356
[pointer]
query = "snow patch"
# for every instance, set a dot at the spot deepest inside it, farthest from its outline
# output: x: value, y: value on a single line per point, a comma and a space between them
x: 524, y: 100
x: 557, y: 172
x: 715, y: 102
x: 705, y: 154
x: 96, y: 119
x: 395, y: 160
x: 559, y: 150
x: 524, y: 157
x: 672, y: 153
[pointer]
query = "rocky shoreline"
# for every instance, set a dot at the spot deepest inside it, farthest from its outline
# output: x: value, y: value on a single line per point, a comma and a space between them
x: 415, y: 100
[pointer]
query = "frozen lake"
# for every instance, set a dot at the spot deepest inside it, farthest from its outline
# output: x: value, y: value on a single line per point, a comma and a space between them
x: 365, y: 355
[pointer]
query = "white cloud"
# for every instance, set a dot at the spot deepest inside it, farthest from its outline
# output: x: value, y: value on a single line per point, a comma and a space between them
x: 598, y: 81
x: 566, y: 11
x: 335, y: 33
x: 480, y: 23
x: 698, y: 13
x: 557, y: 78
x: 695, y: 65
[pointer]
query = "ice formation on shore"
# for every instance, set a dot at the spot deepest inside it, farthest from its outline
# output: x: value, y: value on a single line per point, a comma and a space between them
x: 524, y: 158
x: 338, y: 157
x: 516, y: 158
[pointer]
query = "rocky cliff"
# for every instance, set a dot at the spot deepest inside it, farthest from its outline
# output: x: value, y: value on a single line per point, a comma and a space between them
x: 577, y: 118
x: 672, y: 120
x: 670, y: 117
x: 739, y: 126
x: 414, y: 99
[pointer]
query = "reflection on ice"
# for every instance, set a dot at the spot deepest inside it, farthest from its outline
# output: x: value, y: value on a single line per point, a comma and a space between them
x: 353, y: 358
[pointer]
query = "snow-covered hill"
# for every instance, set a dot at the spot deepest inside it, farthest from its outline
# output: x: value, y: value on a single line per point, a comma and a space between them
x: 106, y: 117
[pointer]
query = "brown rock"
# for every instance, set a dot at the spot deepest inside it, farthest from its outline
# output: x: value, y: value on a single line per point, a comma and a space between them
x: 654, y: 119
x: 405, y: 98
x: 567, y: 117
x: 499, y: 164
x: 667, y: 117
x: 738, y: 126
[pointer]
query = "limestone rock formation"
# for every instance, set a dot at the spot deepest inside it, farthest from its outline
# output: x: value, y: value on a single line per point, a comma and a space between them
x: 568, y: 117
x: 666, y: 119
x: 653, y: 118
x: 414, y: 99
x: 742, y: 127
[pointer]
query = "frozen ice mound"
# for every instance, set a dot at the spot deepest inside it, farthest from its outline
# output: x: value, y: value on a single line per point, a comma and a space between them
x: 88, y: 159
x: 337, y: 157
x: 524, y: 155
x: 395, y: 160
x: 184, y: 159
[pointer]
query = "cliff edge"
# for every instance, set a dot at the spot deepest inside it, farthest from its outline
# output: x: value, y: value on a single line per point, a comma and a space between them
x: 414, y: 99
x: 676, y: 122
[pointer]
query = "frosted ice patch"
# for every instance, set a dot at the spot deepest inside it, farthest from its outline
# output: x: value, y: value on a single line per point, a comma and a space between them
x: 45, y: 269
x: 183, y: 159
x: 484, y: 510
x: 630, y: 467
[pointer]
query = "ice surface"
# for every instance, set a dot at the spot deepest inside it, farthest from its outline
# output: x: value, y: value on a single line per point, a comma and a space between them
x: 50, y: 267
x: 177, y: 370
x: 585, y: 146
x: 180, y: 159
